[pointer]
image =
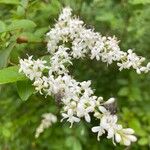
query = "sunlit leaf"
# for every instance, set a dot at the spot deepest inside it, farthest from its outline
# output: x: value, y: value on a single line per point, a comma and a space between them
x: 4, y: 55
x: 20, y: 24
x: 2, y: 26
x: 11, y: 74
x: 123, y: 91
x: 143, y: 141
x: 13, y: 2
x: 139, y: 2
x: 25, y: 89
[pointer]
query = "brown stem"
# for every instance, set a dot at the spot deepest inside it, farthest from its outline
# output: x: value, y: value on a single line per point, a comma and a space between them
x: 23, y: 39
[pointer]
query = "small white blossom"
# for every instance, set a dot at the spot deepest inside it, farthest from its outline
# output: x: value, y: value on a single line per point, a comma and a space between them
x: 82, y: 111
x: 66, y: 14
x: 70, y: 117
x: 100, y: 131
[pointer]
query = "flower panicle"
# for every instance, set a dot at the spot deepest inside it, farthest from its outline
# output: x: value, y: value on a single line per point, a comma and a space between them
x: 77, y: 98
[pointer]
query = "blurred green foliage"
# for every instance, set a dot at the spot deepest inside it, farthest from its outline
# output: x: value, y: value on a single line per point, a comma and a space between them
x: 23, y: 24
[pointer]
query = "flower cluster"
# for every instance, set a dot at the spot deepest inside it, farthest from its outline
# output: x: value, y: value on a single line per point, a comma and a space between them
x: 32, y: 68
x: 115, y: 131
x: 87, y: 42
x: 47, y: 121
x: 69, y: 39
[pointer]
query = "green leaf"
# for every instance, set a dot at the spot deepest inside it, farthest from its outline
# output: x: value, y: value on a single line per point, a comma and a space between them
x: 21, y: 24
x: 11, y: 74
x: 30, y: 36
x: 105, y: 17
x: 77, y: 145
x: 41, y: 32
x: 20, y: 11
x: 6, y: 132
x: 143, y: 141
x: 24, y: 3
x: 137, y: 126
x: 73, y: 143
x: 25, y: 89
x: 2, y: 26
x: 13, y: 2
x: 4, y: 55
x: 135, y: 2
x: 123, y: 91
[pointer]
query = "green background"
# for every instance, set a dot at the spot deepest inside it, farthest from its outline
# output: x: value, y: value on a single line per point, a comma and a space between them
x: 127, y: 19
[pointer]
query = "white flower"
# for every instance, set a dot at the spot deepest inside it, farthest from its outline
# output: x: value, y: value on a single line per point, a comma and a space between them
x: 82, y: 111
x: 70, y: 117
x: 66, y: 14
x: 100, y: 131
x: 108, y: 122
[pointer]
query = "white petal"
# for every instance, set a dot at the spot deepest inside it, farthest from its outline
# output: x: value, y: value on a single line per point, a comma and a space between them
x: 115, y: 118
x: 100, y: 133
x: 64, y: 115
x: 90, y: 109
x: 128, y: 131
x: 132, y: 138
x: 126, y: 141
x: 110, y: 133
x: 96, y: 129
x: 117, y: 137
x: 70, y: 112
x: 102, y: 109
x: 76, y: 119
x: 87, y: 118
x: 109, y: 101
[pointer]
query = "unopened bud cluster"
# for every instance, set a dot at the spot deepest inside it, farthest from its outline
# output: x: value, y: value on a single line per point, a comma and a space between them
x: 47, y: 121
